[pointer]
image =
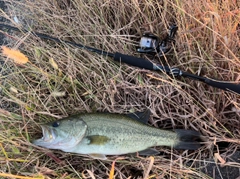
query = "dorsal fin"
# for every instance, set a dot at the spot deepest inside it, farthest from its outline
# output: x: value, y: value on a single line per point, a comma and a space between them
x: 140, y: 116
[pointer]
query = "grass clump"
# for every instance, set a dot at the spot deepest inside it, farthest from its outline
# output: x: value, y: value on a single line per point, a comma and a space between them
x: 61, y: 80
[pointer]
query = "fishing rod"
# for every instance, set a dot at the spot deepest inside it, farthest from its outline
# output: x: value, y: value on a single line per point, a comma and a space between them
x: 149, y: 44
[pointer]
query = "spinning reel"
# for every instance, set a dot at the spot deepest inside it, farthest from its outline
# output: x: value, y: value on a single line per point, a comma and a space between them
x: 151, y: 44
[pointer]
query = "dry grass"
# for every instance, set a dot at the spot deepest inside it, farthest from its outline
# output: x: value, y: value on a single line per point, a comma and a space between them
x: 37, y: 92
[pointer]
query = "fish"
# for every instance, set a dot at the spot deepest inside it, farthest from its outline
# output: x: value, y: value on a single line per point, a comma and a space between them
x: 102, y: 134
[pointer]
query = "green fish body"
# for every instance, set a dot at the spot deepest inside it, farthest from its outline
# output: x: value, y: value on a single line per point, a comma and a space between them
x: 101, y: 134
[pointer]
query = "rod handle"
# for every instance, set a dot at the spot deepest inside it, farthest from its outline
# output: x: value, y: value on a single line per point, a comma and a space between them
x: 223, y: 85
x: 134, y: 61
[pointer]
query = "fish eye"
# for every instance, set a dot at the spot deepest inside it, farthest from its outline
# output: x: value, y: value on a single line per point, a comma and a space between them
x: 55, y: 124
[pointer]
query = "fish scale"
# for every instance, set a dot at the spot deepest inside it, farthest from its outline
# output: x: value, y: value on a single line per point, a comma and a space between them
x: 113, y: 134
x: 125, y: 135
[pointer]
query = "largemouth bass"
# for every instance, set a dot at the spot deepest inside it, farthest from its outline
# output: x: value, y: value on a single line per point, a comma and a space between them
x: 101, y: 134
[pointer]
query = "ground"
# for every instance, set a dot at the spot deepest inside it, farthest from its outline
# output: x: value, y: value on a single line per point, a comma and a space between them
x: 61, y: 80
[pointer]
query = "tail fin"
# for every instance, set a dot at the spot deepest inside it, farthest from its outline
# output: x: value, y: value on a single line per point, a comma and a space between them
x: 188, y: 139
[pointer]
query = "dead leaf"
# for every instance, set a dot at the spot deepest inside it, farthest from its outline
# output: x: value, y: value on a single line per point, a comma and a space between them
x: 13, y: 89
x: 111, y: 174
x: 91, y: 174
x: 7, y: 175
x: 15, y: 55
x: 218, y: 156
x: 53, y: 63
x: 58, y: 93
x: 146, y: 174
x: 56, y: 159
x: 46, y: 171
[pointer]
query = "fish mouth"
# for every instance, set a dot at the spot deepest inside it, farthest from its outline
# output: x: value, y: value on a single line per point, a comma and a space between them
x: 49, y: 135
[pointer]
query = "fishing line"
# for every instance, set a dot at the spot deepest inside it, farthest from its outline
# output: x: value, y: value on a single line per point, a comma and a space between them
x: 138, y: 62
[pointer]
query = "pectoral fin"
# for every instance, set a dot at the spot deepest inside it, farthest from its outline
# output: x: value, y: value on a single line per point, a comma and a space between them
x: 148, y: 152
x: 97, y: 139
x: 98, y: 156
